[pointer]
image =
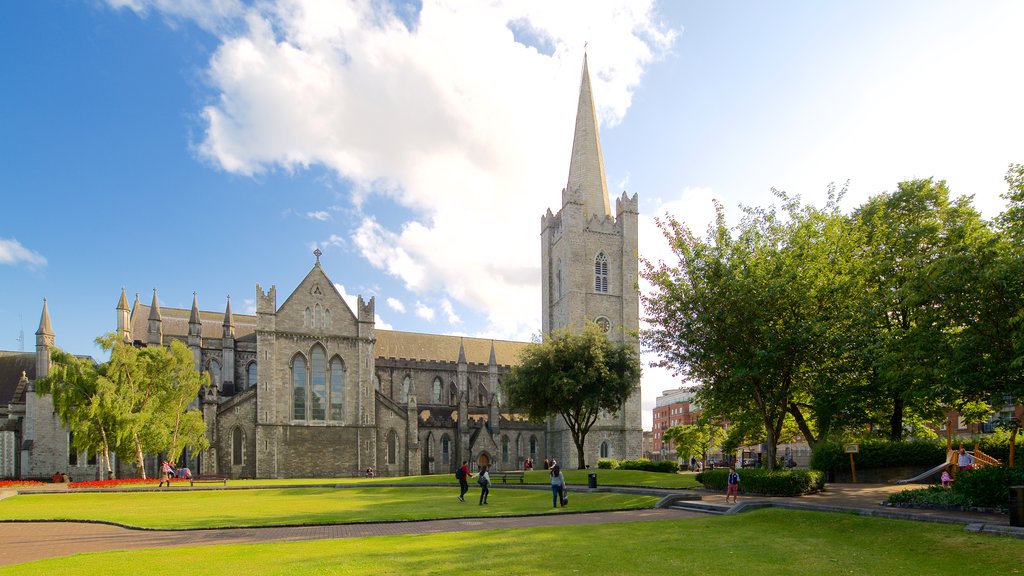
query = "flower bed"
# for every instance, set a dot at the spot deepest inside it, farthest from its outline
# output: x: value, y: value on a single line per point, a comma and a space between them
x: 117, y: 482
x: 19, y: 483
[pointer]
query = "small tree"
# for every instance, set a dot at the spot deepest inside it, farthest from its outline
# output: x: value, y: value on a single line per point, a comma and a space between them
x: 695, y: 439
x: 575, y: 376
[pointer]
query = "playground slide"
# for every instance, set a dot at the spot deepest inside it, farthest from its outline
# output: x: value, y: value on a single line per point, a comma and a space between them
x: 930, y: 472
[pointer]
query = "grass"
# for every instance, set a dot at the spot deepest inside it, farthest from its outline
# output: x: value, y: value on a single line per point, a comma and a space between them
x: 771, y: 541
x: 178, y: 509
x: 573, y: 477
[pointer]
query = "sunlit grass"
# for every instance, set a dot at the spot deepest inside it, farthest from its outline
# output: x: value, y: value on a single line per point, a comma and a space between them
x: 283, y: 506
x: 770, y: 541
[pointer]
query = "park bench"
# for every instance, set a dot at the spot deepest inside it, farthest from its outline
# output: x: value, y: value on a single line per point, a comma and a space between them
x: 209, y: 479
x: 506, y: 476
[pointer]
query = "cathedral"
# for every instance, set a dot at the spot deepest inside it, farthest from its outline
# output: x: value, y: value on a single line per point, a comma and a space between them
x: 309, y: 387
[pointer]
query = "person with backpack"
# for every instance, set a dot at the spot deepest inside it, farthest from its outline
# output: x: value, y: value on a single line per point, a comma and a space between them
x: 484, y: 480
x: 733, y: 486
x: 463, y: 475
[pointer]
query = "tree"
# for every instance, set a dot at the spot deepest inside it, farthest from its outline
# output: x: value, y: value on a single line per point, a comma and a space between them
x: 906, y: 235
x: 695, y: 439
x: 82, y: 402
x: 751, y: 311
x: 576, y: 376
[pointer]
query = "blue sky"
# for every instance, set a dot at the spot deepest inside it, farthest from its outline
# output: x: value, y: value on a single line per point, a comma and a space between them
x: 208, y: 146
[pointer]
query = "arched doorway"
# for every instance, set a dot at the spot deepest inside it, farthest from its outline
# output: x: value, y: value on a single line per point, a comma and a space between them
x: 483, y: 460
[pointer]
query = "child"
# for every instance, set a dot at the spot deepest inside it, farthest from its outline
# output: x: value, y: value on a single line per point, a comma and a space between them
x: 734, y: 484
x: 947, y: 481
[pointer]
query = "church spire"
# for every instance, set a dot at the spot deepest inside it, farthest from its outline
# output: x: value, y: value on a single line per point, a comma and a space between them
x: 124, y: 329
x: 586, y: 167
x: 194, y: 316
x: 155, y: 337
x: 45, y: 329
x: 229, y: 321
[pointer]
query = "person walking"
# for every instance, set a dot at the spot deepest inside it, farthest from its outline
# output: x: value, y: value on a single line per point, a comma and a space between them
x: 733, y: 486
x: 166, y: 473
x: 463, y: 475
x: 557, y: 483
x: 484, y: 480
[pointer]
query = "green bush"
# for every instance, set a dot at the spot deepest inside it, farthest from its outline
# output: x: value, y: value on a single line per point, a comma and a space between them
x: 933, y: 495
x: 879, y: 454
x: 767, y: 482
x: 988, y: 486
x: 649, y: 466
x: 606, y: 464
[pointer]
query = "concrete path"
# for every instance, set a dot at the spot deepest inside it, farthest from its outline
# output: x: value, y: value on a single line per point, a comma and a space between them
x: 26, y: 541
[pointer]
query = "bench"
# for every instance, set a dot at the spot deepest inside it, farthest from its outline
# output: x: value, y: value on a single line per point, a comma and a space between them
x: 506, y: 476
x: 209, y: 479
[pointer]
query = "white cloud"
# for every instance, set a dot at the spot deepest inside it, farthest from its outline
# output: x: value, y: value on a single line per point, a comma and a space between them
x: 12, y: 252
x: 213, y: 15
x: 318, y: 215
x: 396, y: 305
x: 442, y: 117
x: 424, y: 311
x: 351, y: 300
x: 449, y: 312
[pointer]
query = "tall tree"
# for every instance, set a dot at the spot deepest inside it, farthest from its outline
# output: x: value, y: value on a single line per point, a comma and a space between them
x: 749, y: 312
x: 176, y: 422
x: 906, y: 235
x: 576, y: 376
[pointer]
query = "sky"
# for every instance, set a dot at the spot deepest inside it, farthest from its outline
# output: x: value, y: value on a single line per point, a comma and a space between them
x: 206, y: 146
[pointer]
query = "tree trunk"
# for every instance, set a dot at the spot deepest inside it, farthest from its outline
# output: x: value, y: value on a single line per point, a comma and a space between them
x: 896, y: 421
x: 580, y: 459
x: 139, y: 458
x: 105, y: 458
x: 801, y: 424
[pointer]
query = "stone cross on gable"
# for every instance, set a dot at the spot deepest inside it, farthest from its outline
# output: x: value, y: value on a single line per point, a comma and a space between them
x: 317, y: 253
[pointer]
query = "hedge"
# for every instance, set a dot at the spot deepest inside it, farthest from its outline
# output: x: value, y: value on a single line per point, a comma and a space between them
x: 879, y: 454
x: 767, y: 482
x: 888, y: 454
x: 641, y: 464
x: 987, y: 487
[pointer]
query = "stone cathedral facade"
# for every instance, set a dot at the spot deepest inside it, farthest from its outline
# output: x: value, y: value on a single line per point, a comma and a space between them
x: 309, y: 387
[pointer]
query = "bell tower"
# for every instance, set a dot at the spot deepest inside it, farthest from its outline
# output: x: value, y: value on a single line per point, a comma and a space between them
x: 589, y: 266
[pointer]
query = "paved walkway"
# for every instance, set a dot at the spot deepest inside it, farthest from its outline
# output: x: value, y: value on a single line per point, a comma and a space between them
x: 26, y: 541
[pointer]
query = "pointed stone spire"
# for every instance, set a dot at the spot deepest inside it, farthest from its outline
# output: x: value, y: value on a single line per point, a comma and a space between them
x: 122, y: 303
x: 44, y: 343
x: 124, y: 325
x: 154, y: 309
x: 45, y: 329
x: 586, y: 167
x: 462, y: 351
x: 492, y: 361
x: 155, y: 337
x: 229, y: 321
x: 194, y: 316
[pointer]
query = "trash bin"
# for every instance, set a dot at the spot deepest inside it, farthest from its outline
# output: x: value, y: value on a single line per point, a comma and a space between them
x: 592, y: 481
x: 1017, y: 506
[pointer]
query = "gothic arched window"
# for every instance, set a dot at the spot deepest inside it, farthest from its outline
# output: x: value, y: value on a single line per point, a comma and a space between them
x: 601, y: 273
x: 533, y: 447
x: 318, y: 383
x: 215, y: 374
x: 299, y: 387
x: 237, y: 441
x: 446, y: 449
x: 437, y: 390
x: 504, y: 448
x: 250, y: 375
x: 406, y: 385
x: 604, y: 449
x: 337, y: 389
x: 392, y: 447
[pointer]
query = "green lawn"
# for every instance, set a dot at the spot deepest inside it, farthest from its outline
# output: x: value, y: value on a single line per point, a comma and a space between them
x: 278, y: 506
x: 604, y: 477
x: 771, y: 541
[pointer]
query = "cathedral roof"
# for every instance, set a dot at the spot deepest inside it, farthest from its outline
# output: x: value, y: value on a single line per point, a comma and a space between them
x: 586, y: 167
x: 175, y: 322
x: 441, y: 348
x: 12, y: 364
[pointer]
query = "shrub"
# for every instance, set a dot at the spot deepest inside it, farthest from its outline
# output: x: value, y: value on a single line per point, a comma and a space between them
x: 649, y: 466
x: 879, y: 454
x: 988, y: 486
x: 767, y: 482
x: 606, y: 464
x: 932, y: 495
